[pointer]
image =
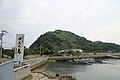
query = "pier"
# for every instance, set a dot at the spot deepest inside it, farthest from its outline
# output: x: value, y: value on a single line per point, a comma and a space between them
x: 87, y: 55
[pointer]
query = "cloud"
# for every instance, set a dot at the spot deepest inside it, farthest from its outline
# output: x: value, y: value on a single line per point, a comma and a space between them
x: 107, y: 33
x: 88, y: 18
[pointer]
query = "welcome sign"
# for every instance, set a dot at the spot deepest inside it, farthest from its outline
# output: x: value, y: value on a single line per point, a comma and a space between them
x: 19, y: 48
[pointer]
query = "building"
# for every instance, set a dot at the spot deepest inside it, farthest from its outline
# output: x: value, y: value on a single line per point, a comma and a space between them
x: 74, y: 50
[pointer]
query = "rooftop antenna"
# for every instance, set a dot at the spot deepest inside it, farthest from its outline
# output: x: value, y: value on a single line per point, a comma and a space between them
x: 3, y: 32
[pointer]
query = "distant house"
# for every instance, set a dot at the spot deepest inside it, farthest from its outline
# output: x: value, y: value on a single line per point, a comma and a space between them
x: 62, y: 51
x: 79, y: 50
x: 75, y: 50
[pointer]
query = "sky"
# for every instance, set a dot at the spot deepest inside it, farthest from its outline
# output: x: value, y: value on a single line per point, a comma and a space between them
x: 96, y: 20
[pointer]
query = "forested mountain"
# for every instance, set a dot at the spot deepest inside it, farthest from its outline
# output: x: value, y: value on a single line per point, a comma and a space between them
x: 61, y: 40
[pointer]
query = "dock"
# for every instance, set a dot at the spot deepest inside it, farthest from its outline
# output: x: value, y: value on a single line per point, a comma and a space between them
x: 95, y: 56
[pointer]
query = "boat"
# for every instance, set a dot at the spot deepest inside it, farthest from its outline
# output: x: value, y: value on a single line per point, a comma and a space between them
x: 84, y: 60
x: 70, y: 60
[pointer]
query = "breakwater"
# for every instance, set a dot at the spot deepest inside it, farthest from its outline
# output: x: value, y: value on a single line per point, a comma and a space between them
x: 86, y: 55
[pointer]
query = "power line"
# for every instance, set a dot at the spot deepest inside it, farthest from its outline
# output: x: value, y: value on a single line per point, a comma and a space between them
x: 10, y: 35
x: 9, y: 43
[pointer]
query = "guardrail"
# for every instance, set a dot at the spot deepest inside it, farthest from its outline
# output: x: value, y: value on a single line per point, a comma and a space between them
x: 21, y: 72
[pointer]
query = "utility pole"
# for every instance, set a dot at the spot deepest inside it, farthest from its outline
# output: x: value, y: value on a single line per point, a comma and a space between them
x: 1, y: 38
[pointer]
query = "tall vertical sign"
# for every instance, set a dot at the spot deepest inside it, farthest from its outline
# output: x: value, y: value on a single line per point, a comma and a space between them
x: 19, y: 48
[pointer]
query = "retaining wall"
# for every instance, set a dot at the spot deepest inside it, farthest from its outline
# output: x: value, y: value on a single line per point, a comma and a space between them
x: 36, y: 62
x: 22, y: 72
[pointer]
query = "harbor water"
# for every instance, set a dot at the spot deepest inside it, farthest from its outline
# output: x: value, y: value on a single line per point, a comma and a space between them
x: 109, y: 70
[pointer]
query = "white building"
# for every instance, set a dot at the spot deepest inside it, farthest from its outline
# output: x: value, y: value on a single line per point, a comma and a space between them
x: 75, y: 50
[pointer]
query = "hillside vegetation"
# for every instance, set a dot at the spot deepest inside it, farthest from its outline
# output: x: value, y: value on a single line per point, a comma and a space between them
x: 61, y: 40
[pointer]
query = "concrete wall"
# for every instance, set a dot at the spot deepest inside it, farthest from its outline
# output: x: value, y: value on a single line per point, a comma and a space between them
x: 22, y: 72
x: 36, y: 62
x: 6, y: 71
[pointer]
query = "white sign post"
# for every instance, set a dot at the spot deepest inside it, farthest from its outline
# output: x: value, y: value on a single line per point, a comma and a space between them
x: 19, y: 48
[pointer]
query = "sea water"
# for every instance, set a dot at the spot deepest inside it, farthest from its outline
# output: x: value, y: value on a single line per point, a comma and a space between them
x: 95, y: 71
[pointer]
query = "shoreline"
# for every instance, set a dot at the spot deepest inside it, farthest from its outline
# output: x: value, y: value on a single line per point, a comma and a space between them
x: 44, y: 74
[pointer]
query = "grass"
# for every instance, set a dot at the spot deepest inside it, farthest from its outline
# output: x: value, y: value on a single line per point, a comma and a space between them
x: 4, y: 59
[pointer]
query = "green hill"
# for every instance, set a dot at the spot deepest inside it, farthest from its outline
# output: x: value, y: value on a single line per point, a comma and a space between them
x: 61, y: 40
